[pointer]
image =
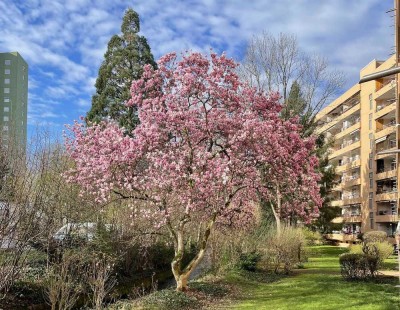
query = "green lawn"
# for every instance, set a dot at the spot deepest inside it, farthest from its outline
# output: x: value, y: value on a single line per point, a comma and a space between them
x: 318, y: 286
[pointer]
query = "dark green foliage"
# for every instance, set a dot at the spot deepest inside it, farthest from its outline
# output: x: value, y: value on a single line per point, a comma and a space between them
x: 123, y: 62
x: 209, y: 289
x: 248, y: 261
x: 169, y: 299
x: 358, y: 266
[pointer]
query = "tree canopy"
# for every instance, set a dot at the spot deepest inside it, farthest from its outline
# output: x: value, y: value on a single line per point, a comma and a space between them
x: 206, y: 150
x: 123, y: 62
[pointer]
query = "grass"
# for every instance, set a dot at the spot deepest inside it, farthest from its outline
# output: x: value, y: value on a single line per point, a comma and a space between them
x: 318, y: 286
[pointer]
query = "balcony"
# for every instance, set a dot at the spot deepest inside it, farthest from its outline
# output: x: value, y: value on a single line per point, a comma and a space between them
x: 332, y: 121
x: 342, y: 237
x: 352, y: 198
x: 351, y: 181
x: 387, y: 173
x: 385, y: 109
x: 351, y: 163
x: 337, y: 203
x: 386, y: 216
x: 348, y: 146
x: 386, y: 195
x: 387, y: 91
x: 349, y: 129
x: 386, y: 130
x: 352, y: 218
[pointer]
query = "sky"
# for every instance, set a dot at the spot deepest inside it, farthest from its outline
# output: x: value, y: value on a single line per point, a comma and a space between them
x: 64, y: 41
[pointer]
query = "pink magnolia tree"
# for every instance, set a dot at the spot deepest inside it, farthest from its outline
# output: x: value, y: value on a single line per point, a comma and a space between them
x: 205, y: 151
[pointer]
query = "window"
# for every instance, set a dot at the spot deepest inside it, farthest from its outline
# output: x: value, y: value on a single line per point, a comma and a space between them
x: 371, y: 183
x: 5, y: 128
x: 371, y: 175
x: 6, y: 90
x: 370, y: 101
x: 7, y: 62
x: 370, y: 205
x: 370, y: 163
x: 371, y: 223
x: 6, y: 109
x: 6, y: 100
x: 7, y: 71
x: 6, y: 81
x: 5, y: 118
x: 370, y: 122
x: 371, y: 195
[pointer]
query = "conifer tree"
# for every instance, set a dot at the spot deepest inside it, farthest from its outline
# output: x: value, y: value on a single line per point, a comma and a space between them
x: 123, y: 62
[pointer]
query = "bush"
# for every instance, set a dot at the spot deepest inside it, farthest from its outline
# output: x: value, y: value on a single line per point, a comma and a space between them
x: 169, y: 299
x: 379, y: 249
x: 248, y: 261
x: 354, y: 266
x: 374, y: 236
x: 285, y: 250
x: 312, y: 237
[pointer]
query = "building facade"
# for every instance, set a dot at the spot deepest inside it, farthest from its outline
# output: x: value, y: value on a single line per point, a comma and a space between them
x: 13, y: 99
x: 362, y: 124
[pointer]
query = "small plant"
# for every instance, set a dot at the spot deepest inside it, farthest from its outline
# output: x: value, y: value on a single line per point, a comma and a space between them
x: 248, y: 261
x: 209, y: 289
x: 355, y: 266
x: 169, y: 299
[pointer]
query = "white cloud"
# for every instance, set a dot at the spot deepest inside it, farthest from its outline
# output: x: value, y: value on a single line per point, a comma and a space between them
x: 64, y: 41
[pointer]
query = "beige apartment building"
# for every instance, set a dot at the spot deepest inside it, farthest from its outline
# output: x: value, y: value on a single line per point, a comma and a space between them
x: 363, y: 124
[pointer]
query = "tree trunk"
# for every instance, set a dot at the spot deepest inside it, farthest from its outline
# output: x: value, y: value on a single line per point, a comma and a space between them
x: 182, y: 275
x: 276, y: 211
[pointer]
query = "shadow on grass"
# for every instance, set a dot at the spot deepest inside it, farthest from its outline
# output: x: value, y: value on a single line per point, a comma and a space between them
x: 319, y: 286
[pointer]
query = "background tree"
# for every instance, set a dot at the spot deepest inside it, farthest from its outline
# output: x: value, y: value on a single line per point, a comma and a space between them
x: 306, y: 85
x: 194, y: 160
x: 123, y: 62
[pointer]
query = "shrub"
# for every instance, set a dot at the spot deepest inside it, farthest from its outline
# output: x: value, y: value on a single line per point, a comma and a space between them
x: 312, y: 237
x: 379, y: 249
x: 285, y: 250
x: 248, y: 261
x: 355, y: 266
x: 374, y: 236
x: 169, y: 299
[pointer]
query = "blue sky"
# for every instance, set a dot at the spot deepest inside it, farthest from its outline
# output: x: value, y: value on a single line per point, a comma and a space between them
x: 63, y: 41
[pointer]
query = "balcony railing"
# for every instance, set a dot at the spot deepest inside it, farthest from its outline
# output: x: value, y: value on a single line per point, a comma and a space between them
x: 386, y: 212
x: 351, y: 196
x: 381, y: 105
x: 350, y: 178
x: 386, y: 169
x: 351, y: 123
x: 347, y: 143
x: 386, y: 191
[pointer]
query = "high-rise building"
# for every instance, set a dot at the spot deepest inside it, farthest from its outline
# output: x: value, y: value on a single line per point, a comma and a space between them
x: 363, y: 124
x: 13, y: 99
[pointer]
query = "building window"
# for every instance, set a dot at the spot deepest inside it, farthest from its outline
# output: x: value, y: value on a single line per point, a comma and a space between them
x: 6, y: 90
x: 7, y: 71
x: 5, y: 118
x: 6, y: 100
x: 370, y: 101
x: 371, y: 183
x: 370, y: 163
x: 370, y: 205
x: 6, y: 109
x: 6, y: 81
x: 5, y: 128
x: 7, y: 62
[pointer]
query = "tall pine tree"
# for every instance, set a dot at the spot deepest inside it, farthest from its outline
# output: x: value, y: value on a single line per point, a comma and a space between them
x: 123, y: 62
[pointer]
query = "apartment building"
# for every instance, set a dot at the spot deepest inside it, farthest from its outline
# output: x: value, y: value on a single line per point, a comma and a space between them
x: 363, y: 125
x: 13, y: 99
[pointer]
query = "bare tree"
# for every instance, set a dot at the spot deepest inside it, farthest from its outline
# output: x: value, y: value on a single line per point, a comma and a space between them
x: 277, y: 63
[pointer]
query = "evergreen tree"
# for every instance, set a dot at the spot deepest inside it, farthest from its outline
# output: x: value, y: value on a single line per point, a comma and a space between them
x: 296, y: 105
x: 123, y: 62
